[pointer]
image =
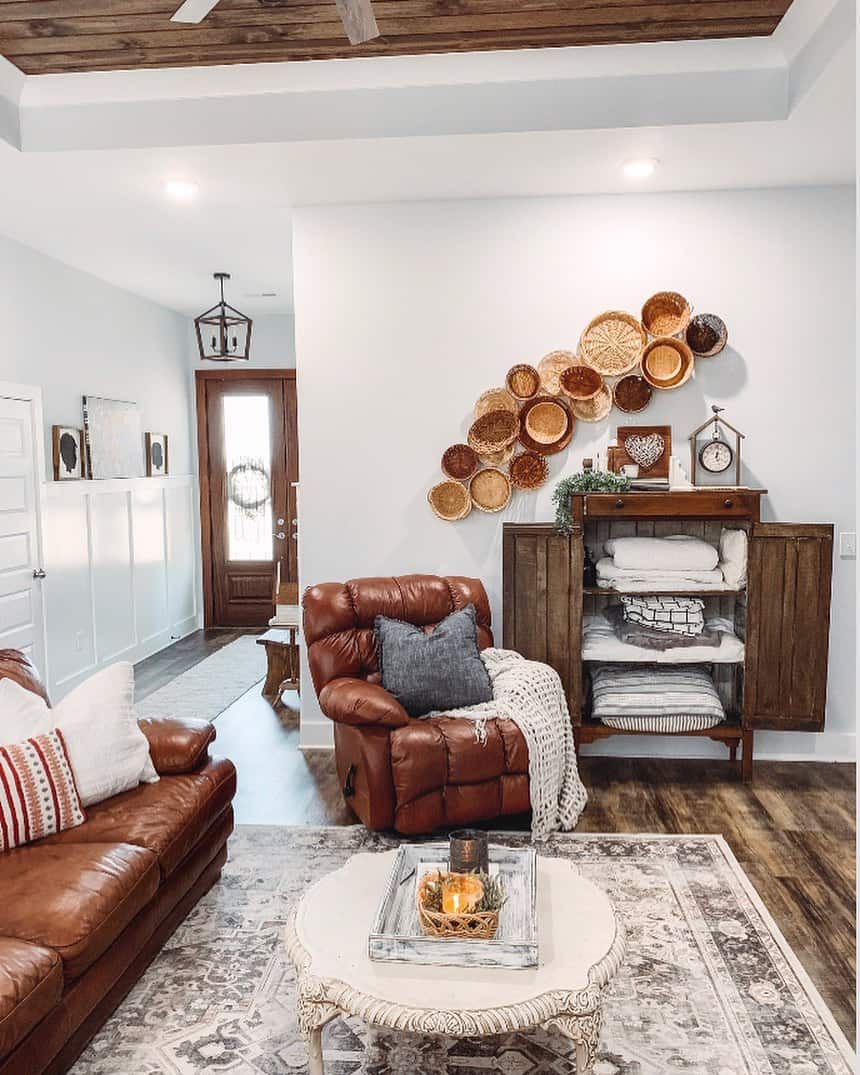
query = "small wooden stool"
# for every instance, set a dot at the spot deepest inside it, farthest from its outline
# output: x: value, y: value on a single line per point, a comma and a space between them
x: 282, y: 659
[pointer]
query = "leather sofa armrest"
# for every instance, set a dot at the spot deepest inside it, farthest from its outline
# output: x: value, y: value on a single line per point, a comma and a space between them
x: 177, y: 745
x: 355, y: 701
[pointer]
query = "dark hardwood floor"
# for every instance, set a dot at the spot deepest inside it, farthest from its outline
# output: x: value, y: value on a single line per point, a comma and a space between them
x: 793, y: 828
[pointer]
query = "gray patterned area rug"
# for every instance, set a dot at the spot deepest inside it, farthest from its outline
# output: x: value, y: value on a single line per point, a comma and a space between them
x: 207, y: 688
x: 709, y: 985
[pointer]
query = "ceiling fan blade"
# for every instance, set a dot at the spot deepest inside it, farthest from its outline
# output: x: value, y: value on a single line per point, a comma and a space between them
x: 358, y: 20
x: 193, y: 11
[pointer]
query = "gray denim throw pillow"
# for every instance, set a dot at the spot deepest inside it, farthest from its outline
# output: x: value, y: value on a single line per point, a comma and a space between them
x: 438, y: 671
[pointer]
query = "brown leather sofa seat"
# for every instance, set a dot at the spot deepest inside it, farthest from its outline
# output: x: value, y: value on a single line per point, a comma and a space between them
x: 415, y: 776
x: 31, y: 984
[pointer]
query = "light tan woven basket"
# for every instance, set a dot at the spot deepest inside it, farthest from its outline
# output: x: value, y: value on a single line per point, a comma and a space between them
x: 493, y: 431
x: 495, y: 399
x: 490, y: 489
x: 667, y: 363
x: 499, y: 459
x: 477, y: 925
x: 666, y: 314
x: 612, y: 343
x: 450, y: 501
x: 523, y: 381
x: 550, y: 368
x: 595, y: 409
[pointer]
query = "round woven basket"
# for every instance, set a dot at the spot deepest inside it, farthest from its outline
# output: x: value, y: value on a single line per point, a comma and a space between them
x: 666, y: 314
x: 450, y: 501
x: 612, y: 343
x: 495, y: 399
x: 667, y: 363
x: 493, y: 431
x: 523, y: 381
x: 545, y: 418
x: 460, y: 462
x: 528, y: 470
x: 707, y: 335
x: 550, y: 368
x: 580, y: 382
x: 500, y: 459
x: 595, y: 409
x: 632, y: 394
x: 490, y: 489
x: 474, y: 925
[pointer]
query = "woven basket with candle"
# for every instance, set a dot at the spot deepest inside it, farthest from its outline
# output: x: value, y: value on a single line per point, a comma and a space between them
x: 460, y: 905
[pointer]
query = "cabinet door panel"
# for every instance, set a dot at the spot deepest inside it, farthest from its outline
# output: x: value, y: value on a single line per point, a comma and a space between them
x: 788, y: 621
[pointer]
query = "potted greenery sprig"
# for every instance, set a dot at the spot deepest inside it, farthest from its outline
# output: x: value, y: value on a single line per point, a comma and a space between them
x: 586, y: 481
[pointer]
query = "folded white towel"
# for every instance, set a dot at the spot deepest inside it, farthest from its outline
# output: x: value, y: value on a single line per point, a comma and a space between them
x: 733, y: 558
x: 679, y: 552
x: 608, y: 572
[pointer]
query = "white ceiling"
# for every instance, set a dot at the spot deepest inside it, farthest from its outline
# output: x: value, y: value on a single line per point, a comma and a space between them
x: 104, y: 211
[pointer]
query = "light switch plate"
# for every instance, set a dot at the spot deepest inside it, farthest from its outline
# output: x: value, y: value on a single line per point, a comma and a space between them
x: 848, y: 545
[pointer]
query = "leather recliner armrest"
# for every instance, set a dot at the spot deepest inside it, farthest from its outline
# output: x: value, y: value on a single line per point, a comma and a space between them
x: 355, y: 701
x: 176, y: 744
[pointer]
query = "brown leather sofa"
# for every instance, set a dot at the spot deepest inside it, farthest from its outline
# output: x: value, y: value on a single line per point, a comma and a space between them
x: 414, y: 776
x: 83, y: 913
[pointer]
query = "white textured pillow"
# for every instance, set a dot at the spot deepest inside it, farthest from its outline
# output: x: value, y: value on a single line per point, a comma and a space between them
x: 733, y: 557
x: 107, y: 750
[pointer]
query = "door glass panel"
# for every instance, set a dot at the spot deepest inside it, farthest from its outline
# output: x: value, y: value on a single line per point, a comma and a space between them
x: 248, y: 456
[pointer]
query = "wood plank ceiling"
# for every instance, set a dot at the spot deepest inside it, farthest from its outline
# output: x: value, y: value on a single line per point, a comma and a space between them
x: 48, y: 36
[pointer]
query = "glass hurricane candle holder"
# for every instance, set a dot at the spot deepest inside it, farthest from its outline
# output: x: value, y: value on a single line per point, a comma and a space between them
x: 469, y: 851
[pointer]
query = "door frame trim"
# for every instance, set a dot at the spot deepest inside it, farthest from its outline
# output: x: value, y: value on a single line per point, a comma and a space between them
x: 32, y: 394
x: 201, y: 379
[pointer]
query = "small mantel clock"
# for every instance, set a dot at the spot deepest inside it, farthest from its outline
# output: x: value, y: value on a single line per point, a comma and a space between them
x: 714, y: 454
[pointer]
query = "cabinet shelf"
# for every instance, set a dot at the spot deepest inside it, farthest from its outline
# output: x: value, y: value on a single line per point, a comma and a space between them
x: 693, y: 591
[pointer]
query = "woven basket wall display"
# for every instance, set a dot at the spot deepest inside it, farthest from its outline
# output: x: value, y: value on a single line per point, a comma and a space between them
x: 612, y: 343
x: 667, y: 363
x: 495, y: 399
x: 666, y: 314
x: 493, y: 431
x: 550, y: 368
x: 460, y: 462
x: 500, y: 459
x: 490, y: 489
x: 547, y: 425
x: 528, y: 470
x: 523, y: 381
x: 707, y: 335
x: 450, y: 501
x: 580, y: 382
x: 595, y: 409
x: 632, y: 394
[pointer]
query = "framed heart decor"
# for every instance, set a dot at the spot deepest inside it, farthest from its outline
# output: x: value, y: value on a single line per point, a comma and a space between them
x: 649, y: 447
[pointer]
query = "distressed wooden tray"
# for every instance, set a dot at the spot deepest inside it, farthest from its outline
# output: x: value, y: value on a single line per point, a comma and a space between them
x: 396, y: 935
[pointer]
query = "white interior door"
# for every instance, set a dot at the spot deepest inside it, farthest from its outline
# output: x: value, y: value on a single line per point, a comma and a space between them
x: 21, y: 624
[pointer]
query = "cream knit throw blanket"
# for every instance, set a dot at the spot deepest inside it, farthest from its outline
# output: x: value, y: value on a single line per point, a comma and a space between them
x: 531, y: 695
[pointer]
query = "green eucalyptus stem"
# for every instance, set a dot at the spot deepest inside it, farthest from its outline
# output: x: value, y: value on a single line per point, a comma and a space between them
x: 586, y: 481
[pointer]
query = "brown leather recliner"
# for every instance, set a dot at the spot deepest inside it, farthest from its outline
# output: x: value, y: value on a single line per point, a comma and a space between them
x: 82, y: 913
x: 414, y: 776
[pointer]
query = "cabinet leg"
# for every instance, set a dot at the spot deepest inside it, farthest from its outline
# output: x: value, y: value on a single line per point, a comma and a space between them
x: 747, y: 759
x: 733, y: 751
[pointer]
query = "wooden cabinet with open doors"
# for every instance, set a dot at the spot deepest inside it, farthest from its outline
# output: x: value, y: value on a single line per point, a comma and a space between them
x: 777, y: 678
x: 248, y: 458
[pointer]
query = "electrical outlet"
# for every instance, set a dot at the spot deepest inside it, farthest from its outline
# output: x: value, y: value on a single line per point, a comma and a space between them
x: 848, y: 545
x: 80, y: 637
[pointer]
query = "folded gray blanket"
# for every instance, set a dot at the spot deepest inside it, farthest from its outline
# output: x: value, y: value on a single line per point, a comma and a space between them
x: 647, y: 638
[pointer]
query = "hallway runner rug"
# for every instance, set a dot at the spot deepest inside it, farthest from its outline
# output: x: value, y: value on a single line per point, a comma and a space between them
x: 709, y: 985
x: 208, y: 688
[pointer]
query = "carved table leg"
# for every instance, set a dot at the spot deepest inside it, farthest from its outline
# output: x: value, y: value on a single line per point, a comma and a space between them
x: 312, y: 1014
x: 584, y: 1032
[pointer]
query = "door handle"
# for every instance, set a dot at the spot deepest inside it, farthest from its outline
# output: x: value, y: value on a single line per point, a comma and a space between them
x: 39, y: 573
x: 280, y: 535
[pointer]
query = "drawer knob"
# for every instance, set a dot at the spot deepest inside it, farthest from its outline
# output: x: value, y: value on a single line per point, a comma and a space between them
x: 619, y: 503
x: 728, y: 502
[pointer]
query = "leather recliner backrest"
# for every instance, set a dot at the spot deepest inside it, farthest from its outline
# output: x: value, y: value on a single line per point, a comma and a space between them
x: 338, y: 618
x: 15, y: 665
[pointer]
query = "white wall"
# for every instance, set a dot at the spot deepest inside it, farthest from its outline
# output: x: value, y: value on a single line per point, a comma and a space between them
x: 121, y: 556
x: 406, y: 313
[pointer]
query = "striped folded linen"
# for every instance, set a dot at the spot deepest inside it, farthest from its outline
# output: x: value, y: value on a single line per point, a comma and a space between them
x: 680, y: 698
x: 678, y: 552
x: 601, y: 643
x: 674, y: 615
x: 621, y: 578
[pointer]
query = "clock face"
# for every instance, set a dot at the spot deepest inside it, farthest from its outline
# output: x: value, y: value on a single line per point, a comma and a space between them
x: 716, y: 456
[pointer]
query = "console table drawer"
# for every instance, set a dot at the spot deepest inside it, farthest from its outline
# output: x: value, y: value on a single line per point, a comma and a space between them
x: 702, y: 504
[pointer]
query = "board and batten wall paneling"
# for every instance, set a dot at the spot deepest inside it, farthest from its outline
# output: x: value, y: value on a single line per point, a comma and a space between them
x: 122, y: 572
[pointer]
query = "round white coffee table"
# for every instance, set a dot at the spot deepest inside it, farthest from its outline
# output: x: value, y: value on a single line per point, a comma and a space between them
x: 581, y: 947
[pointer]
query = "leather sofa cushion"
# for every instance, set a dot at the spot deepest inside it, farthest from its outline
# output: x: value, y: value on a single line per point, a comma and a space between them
x: 167, y: 818
x: 74, y: 898
x: 31, y: 985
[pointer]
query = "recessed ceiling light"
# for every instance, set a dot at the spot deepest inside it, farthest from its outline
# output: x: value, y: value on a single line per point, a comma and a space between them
x: 181, y: 190
x: 640, y: 168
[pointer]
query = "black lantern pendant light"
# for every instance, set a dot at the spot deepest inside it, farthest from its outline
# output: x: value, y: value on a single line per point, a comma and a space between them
x: 223, y: 333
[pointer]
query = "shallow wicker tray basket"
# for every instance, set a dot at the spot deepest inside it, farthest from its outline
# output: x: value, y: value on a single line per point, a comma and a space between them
x: 595, y: 409
x: 490, y: 489
x: 667, y: 363
x: 450, y: 501
x: 529, y: 470
x: 666, y: 314
x: 612, y: 343
x: 495, y: 399
x: 493, y: 431
x: 550, y: 368
x: 474, y: 925
x: 523, y: 381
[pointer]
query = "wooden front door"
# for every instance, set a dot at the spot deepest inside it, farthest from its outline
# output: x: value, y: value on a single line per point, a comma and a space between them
x: 248, y: 449
x: 788, y: 621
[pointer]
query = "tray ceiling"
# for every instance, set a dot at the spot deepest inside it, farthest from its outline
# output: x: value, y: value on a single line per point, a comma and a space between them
x: 52, y: 36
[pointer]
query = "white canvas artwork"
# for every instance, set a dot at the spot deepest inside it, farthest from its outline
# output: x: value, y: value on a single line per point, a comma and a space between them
x: 113, y: 438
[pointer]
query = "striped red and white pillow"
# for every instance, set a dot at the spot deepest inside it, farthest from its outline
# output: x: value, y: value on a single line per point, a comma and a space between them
x: 38, y: 794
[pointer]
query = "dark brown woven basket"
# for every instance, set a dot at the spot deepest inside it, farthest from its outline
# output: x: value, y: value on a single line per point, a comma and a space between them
x: 460, y: 462
x: 528, y: 470
x: 632, y: 394
x: 580, y: 382
x: 707, y: 335
x: 493, y: 431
